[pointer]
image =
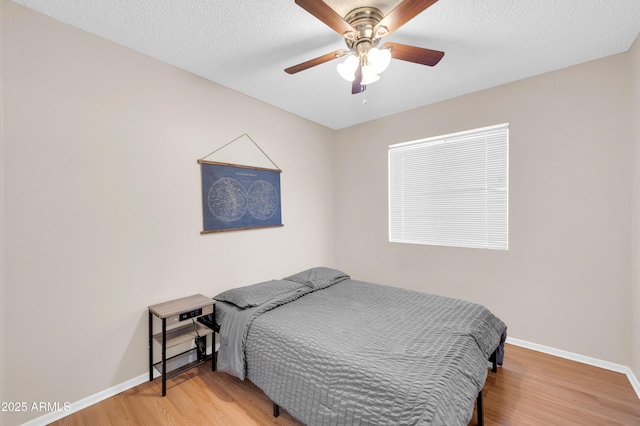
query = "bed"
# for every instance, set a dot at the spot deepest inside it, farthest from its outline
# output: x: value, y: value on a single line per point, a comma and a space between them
x: 336, y: 351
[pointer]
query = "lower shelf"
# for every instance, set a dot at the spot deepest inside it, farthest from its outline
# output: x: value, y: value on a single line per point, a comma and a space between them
x: 182, y: 362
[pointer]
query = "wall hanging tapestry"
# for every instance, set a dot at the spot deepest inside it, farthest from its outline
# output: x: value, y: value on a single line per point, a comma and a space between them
x: 237, y: 197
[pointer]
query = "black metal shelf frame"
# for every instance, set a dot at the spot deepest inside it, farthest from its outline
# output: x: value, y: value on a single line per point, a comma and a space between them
x: 200, y: 349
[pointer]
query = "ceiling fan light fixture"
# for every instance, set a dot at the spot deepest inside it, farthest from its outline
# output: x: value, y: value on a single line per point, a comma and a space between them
x: 379, y: 59
x: 347, y: 69
x: 369, y: 76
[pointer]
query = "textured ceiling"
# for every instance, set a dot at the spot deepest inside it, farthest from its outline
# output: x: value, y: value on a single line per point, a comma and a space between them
x: 245, y: 45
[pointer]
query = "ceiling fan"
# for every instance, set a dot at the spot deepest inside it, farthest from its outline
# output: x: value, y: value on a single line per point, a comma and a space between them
x: 362, y: 30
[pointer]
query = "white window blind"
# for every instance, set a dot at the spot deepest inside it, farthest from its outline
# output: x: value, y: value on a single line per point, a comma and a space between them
x: 451, y: 190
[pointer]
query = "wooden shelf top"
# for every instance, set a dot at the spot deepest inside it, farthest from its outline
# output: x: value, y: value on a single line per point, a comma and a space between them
x: 184, y: 304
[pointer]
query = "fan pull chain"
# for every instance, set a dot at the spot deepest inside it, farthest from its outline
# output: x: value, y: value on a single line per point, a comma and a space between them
x: 364, y: 97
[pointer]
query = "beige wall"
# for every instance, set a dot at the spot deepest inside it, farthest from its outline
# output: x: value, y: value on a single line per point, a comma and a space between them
x: 564, y: 282
x: 635, y: 212
x: 103, y: 208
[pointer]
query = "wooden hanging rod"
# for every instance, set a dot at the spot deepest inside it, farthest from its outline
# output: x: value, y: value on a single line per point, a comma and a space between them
x: 238, y: 165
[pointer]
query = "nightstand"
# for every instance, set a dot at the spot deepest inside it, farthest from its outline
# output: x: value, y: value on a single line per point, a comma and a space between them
x: 180, y: 327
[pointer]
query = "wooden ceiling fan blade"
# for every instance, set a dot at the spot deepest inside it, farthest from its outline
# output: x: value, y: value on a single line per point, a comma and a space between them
x: 417, y: 55
x: 357, y: 86
x: 403, y: 13
x: 315, y: 61
x: 324, y: 13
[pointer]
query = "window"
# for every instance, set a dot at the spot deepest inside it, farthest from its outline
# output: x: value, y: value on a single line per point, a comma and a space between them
x: 451, y: 190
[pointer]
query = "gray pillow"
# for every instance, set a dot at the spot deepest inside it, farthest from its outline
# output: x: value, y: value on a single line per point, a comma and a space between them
x: 319, y: 277
x: 257, y: 294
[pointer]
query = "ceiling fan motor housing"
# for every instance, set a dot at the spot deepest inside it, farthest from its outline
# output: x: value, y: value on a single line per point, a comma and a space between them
x: 363, y: 20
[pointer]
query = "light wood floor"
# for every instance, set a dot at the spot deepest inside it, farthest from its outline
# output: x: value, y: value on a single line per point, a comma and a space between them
x: 530, y: 389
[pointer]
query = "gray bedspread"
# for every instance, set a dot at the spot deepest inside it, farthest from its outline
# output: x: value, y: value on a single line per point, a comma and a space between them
x: 357, y: 353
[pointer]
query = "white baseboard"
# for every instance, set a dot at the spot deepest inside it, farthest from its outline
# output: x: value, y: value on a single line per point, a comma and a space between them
x: 95, y: 398
x: 88, y: 401
x: 131, y: 383
x: 611, y: 366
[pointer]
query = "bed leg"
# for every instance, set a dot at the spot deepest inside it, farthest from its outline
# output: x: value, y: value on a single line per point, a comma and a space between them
x: 276, y: 410
x: 494, y: 361
x: 479, y: 410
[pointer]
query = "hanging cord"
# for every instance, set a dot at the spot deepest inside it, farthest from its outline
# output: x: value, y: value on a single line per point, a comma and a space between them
x: 254, y: 142
x: 200, y: 344
x: 195, y: 327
